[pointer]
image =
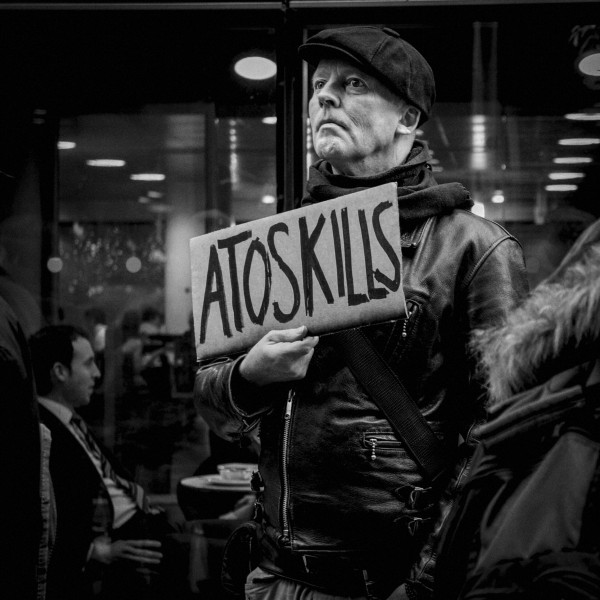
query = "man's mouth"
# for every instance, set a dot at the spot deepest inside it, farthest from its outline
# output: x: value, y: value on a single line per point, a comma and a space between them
x: 326, y: 122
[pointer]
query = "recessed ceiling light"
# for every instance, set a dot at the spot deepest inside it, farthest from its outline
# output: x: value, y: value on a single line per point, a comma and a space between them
x: 105, y: 162
x: 154, y: 194
x: 270, y: 120
x: 561, y: 187
x: 268, y: 199
x: 64, y: 145
x: 579, y: 141
x: 558, y: 176
x: 255, y: 67
x: 583, y: 116
x: 147, y: 177
x: 572, y: 160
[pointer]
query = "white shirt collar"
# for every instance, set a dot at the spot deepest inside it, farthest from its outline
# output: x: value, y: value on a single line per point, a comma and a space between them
x: 60, y: 411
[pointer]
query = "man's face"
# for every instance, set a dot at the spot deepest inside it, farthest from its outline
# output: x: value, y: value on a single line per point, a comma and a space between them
x: 81, y: 377
x: 354, y: 119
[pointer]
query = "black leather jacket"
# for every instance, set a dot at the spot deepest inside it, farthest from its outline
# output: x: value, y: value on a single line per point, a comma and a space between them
x: 333, y: 470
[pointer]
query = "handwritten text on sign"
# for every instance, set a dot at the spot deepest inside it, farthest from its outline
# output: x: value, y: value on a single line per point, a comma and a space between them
x: 330, y: 266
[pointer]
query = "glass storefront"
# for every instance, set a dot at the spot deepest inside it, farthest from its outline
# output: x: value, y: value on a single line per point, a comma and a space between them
x: 127, y: 132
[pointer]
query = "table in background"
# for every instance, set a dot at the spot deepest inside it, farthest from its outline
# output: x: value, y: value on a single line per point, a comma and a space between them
x: 208, y: 496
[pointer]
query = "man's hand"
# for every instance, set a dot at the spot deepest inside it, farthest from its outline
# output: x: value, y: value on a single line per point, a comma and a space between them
x: 282, y: 355
x: 143, y: 552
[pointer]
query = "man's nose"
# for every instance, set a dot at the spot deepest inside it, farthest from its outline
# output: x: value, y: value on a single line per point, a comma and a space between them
x: 327, y: 96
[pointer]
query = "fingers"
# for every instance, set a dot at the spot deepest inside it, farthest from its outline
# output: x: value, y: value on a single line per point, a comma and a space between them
x: 141, y: 551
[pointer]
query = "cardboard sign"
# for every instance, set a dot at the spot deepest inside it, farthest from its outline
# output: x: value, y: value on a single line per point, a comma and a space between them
x: 330, y: 266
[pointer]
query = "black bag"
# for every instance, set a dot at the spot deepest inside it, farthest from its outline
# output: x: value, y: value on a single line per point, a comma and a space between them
x: 241, y: 556
x: 526, y: 525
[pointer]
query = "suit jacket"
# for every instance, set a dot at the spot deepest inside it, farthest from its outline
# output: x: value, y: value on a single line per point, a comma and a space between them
x: 78, y: 487
x: 20, y: 506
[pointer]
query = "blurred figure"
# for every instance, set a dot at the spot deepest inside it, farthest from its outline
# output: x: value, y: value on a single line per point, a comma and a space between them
x: 152, y: 321
x: 95, y: 319
x: 526, y: 525
x: 106, y: 531
x: 22, y: 528
x: 131, y: 352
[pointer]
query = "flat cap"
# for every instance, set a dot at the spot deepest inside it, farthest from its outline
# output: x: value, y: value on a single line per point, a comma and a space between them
x: 381, y: 52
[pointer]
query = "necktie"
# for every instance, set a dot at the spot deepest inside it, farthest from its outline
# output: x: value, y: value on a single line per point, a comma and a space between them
x: 135, y: 491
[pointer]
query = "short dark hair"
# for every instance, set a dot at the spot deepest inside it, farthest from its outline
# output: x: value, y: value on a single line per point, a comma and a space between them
x: 52, y: 344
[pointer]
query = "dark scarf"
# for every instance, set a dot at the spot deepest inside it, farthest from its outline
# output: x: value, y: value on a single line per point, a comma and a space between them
x: 420, y: 196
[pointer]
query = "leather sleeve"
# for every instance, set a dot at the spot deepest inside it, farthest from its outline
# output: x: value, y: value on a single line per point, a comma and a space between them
x: 230, y: 405
x: 496, y: 283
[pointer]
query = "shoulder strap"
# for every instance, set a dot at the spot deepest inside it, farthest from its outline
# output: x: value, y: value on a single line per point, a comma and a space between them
x: 391, y: 396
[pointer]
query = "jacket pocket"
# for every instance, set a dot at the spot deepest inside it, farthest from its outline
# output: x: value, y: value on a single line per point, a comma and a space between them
x: 379, y: 442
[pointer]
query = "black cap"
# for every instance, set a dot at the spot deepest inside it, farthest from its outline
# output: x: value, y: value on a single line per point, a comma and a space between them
x: 381, y: 52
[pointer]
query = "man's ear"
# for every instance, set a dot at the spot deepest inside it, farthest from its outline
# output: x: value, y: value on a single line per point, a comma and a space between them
x: 59, y: 372
x: 409, y: 120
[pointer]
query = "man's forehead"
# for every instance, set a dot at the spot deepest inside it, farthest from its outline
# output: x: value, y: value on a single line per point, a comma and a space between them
x: 82, y: 348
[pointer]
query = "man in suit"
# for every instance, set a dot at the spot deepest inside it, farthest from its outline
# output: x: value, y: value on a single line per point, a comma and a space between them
x: 21, y: 524
x: 107, y: 535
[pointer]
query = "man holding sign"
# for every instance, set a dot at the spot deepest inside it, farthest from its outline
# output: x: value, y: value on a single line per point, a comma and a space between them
x: 350, y: 499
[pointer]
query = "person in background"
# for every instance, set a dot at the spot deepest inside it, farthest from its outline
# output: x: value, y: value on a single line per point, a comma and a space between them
x: 95, y: 319
x: 107, y: 533
x: 152, y: 321
x: 25, y: 505
x: 344, y: 508
x: 536, y: 470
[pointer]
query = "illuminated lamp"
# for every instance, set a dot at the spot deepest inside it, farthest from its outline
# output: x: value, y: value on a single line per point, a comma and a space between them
x: 255, y: 68
x: 587, y: 63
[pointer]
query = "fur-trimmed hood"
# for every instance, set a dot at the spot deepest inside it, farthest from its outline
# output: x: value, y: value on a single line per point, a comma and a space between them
x: 556, y: 327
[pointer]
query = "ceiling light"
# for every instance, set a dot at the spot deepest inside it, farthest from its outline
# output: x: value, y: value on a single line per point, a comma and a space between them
x: 559, y: 176
x: 255, y: 67
x: 143, y: 200
x: 105, y: 162
x: 147, y: 177
x: 154, y: 194
x: 64, y: 145
x: 561, y: 187
x: 579, y: 141
x: 588, y: 63
x: 572, y: 160
x: 268, y: 199
x: 498, y: 197
x: 270, y: 120
x: 583, y: 116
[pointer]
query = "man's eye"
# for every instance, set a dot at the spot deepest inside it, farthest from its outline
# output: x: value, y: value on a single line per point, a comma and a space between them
x: 353, y: 82
x: 317, y: 85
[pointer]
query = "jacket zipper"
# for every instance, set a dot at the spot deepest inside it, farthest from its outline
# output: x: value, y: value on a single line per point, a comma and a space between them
x: 285, y: 501
x: 385, y: 443
x: 412, y: 307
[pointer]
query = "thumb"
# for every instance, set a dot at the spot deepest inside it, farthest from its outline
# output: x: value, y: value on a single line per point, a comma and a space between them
x: 288, y: 335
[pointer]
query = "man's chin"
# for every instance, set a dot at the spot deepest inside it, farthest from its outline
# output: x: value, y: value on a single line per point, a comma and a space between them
x: 330, y: 151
